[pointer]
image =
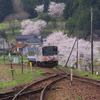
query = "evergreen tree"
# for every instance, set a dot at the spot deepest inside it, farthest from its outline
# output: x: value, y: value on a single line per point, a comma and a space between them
x: 29, y: 7
x: 46, y: 5
x: 78, y: 16
x: 45, y: 17
x: 3, y: 33
x: 5, y: 8
x: 68, y: 11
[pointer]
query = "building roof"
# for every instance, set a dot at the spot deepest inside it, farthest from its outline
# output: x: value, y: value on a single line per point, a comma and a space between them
x: 21, y: 46
x: 33, y: 40
x: 25, y: 37
x: 30, y: 38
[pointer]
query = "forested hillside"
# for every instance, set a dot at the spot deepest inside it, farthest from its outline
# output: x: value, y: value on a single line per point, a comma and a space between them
x: 78, y: 16
x: 5, y: 8
x: 29, y: 5
x: 77, y: 13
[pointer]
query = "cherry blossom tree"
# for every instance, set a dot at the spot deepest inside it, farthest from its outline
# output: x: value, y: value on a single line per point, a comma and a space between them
x: 65, y: 44
x: 25, y: 23
x: 56, y: 9
x: 39, y: 8
x: 30, y: 27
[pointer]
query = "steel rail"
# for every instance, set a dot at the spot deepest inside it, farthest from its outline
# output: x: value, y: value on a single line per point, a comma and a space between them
x: 66, y: 73
x: 46, y: 87
x: 84, y: 79
x: 22, y: 94
x: 16, y: 95
x: 87, y: 80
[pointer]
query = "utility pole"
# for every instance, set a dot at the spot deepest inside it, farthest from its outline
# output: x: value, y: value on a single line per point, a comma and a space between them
x: 70, y: 53
x: 77, y: 55
x: 4, y: 51
x: 92, y: 40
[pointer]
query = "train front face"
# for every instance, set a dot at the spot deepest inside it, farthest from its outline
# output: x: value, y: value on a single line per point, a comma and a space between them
x: 50, y: 56
x: 31, y: 56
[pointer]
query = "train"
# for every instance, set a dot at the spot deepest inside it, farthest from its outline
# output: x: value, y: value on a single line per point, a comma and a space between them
x: 43, y: 56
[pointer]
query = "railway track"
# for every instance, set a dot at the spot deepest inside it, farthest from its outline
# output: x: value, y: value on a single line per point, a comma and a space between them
x: 84, y: 79
x: 7, y: 96
x: 87, y: 80
x: 37, y: 90
x: 40, y: 88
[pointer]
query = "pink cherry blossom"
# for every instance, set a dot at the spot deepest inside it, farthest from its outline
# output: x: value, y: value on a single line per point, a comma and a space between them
x: 65, y: 45
x: 30, y: 27
x: 56, y: 9
x: 39, y: 8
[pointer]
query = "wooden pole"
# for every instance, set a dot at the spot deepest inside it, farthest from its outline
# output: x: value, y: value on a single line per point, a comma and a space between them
x: 77, y: 54
x: 12, y: 71
x: 22, y: 62
x: 92, y: 40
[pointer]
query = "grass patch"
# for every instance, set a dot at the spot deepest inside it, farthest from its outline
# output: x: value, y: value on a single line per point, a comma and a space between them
x: 54, y: 68
x: 57, y: 66
x: 19, y: 77
x: 34, y: 19
x: 83, y: 73
x: 45, y: 32
x: 4, y: 25
x: 86, y: 73
x: 6, y: 59
x: 11, y: 37
x: 68, y: 67
x: 57, y: 90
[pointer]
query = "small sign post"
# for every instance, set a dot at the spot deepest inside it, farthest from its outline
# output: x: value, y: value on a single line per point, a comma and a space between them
x: 80, y: 63
x: 71, y: 78
x: 97, y: 73
x: 12, y: 69
x: 31, y: 66
x: 26, y: 62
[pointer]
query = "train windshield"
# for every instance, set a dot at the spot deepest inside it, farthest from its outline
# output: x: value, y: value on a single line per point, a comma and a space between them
x: 31, y: 52
x: 49, y: 51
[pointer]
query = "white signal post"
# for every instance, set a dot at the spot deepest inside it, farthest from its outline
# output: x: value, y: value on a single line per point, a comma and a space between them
x: 71, y: 81
x: 71, y: 76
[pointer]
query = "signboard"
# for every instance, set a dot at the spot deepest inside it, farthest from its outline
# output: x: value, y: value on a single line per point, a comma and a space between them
x: 80, y: 62
x: 10, y: 61
x: 15, y: 60
x: 9, y: 55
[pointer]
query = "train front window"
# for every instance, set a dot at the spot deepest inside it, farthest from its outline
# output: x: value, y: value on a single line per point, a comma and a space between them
x: 31, y: 52
x: 49, y: 51
x: 55, y: 50
x: 44, y: 51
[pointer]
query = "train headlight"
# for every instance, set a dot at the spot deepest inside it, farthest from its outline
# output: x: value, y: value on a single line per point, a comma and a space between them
x: 55, y: 56
x: 44, y: 57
